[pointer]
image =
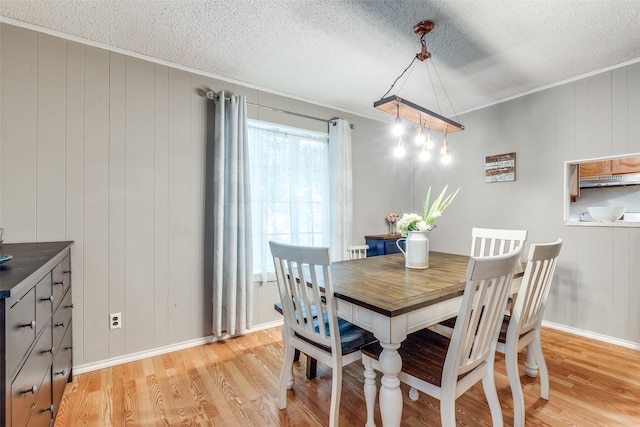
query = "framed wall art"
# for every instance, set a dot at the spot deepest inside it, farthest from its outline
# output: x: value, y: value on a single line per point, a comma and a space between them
x: 500, y: 168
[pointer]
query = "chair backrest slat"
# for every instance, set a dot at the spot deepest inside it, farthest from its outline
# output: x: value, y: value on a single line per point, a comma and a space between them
x: 485, y: 297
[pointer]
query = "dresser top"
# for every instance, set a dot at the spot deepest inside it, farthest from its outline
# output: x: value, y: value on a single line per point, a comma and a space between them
x: 28, y: 258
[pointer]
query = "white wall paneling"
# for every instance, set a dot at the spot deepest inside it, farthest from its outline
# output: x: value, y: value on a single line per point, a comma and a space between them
x: 117, y: 200
x: 109, y: 151
x: 95, y: 209
x: 19, y: 133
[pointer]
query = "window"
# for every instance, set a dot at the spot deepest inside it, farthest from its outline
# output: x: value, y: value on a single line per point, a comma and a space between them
x: 289, y: 189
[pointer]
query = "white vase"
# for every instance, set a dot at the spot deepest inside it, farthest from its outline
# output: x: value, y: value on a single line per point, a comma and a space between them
x: 416, y: 252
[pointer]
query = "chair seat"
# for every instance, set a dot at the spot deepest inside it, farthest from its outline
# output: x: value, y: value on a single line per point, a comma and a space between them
x: 451, y: 323
x: 352, y: 337
x: 427, y: 351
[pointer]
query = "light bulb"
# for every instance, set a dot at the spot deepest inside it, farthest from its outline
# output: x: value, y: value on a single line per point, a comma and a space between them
x: 399, y: 150
x: 424, y: 155
x: 419, y: 140
x: 397, y: 129
x: 446, y: 157
x: 429, y: 142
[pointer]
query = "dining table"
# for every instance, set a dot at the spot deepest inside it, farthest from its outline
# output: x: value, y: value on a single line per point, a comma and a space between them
x: 381, y: 295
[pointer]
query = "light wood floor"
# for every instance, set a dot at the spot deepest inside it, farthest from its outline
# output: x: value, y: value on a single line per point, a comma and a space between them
x: 234, y: 383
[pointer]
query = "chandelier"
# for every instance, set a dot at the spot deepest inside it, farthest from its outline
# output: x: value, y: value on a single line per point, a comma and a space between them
x: 407, y: 111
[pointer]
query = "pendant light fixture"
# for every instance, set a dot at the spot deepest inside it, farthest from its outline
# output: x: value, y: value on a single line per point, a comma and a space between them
x: 407, y: 111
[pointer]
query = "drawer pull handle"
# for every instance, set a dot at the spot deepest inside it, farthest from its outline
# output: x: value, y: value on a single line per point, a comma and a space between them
x: 32, y: 390
x: 59, y: 324
x: 68, y: 306
x: 50, y: 408
x: 68, y: 348
x: 50, y: 298
x: 61, y: 372
x: 58, y: 283
x: 49, y: 350
x: 67, y: 272
x: 31, y: 325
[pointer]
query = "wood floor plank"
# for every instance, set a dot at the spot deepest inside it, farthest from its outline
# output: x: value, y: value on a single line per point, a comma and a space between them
x: 235, y: 383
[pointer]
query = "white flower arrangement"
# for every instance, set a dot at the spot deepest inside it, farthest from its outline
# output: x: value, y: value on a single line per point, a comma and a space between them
x: 430, y: 214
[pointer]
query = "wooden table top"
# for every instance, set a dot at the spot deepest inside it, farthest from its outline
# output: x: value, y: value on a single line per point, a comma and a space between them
x: 383, y: 284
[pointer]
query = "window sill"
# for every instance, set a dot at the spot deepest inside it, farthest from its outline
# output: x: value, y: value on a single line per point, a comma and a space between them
x: 617, y: 224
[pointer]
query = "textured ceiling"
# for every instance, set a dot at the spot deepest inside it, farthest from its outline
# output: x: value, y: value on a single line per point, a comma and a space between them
x: 346, y: 53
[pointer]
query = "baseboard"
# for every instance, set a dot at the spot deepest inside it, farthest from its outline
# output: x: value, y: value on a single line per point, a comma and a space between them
x: 115, y: 361
x: 587, y: 334
x: 107, y: 363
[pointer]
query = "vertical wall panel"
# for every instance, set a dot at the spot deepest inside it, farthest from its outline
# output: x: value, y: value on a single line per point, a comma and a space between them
x: 619, y: 111
x: 633, y: 268
x: 179, y: 214
x: 633, y: 99
x: 200, y: 324
x: 117, y: 183
x: 19, y: 128
x: 50, y: 151
x: 599, y: 138
x: 562, y: 303
x: 74, y: 188
x: 601, y: 281
x: 161, y: 208
x: 96, y: 203
x: 139, y: 200
x: 621, y: 283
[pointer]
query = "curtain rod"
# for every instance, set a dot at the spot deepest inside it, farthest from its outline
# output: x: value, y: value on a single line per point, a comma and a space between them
x: 212, y: 95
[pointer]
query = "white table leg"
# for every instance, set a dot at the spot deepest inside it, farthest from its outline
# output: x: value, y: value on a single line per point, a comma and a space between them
x: 530, y: 365
x: 390, y: 394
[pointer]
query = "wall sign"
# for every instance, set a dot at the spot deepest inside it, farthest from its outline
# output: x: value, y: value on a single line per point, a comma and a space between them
x: 500, y: 168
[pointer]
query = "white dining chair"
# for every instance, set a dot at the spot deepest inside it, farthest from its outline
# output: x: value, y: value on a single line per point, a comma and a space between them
x: 311, y: 323
x: 487, y: 242
x: 357, y: 251
x: 522, y: 328
x: 444, y: 367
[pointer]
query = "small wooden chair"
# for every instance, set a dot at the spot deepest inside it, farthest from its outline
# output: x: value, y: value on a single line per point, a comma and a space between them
x: 311, y: 323
x: 357, y: 251
x: 446, y: 367
x: 522, y: 328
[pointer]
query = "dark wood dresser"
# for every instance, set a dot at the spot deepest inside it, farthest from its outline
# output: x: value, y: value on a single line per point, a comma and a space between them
x: 35, y: 333
x: 382, y: 244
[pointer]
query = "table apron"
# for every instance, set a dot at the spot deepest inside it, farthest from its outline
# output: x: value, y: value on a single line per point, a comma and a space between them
x: 395, y: 329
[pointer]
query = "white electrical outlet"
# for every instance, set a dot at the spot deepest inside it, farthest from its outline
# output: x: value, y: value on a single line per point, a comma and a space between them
x: 115, y: 320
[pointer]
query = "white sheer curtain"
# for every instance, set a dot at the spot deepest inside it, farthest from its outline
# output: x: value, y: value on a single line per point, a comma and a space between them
x: 290, y: 190
x: 229, y: 212
x: 340, y: 188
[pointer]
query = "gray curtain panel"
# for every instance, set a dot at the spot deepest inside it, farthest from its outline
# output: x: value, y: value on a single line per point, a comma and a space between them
x: 228, y: 215
x: 340, y: 188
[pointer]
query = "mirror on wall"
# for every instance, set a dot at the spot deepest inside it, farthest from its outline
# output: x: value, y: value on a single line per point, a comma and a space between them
x: 612, y: 182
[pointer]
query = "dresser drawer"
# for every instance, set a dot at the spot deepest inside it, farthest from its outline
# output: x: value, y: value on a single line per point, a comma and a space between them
x: 26, y: 387
x: 43, y: 302
x: 62, y: 367
x: 61, y: 320
x: 42, y: 413
x: 20, y: 328
x: 61, y: 279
